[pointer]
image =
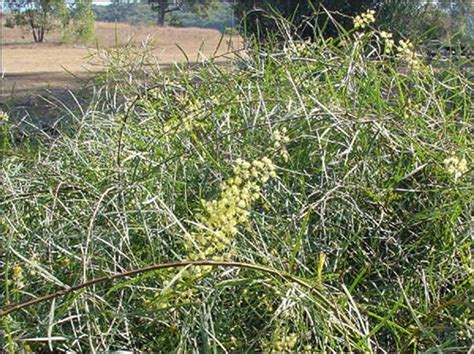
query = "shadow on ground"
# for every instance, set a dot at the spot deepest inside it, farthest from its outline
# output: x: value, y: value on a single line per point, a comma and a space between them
x: 21, y: 85
x: 37, y: 101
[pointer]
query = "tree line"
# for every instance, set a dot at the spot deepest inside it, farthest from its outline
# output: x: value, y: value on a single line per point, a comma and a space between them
x: 408, y: 18
x: 75, y: 19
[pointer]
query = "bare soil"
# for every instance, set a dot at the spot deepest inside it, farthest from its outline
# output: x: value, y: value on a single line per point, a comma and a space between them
x: 28, y: 67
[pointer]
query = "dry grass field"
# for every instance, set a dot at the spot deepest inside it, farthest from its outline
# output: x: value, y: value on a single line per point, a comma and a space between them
x: 28, y: 67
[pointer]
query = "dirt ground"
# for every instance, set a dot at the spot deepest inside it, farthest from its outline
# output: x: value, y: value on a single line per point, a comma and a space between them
x: 28, y: 67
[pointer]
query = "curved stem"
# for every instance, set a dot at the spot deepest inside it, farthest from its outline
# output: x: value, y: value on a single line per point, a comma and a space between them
x: 18, y: 306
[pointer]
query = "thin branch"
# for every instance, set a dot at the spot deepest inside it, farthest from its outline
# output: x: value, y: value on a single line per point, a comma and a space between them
x: 18, y: 306
x: 122, y: 128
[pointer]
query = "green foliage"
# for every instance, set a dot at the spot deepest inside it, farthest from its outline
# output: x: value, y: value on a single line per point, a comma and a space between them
x: 162, y: 7
x: 415, y: 19
x: 84, y: 21
x: 219, y: 17
x: 76, y: 21
x: 259, y: 17
x: 10, y: 22
x: 4, y: 134
x: 461, y: 20
x: 412, y: 19
x: 40, y: 16
x: 368, y: 209
x: 129, y: 13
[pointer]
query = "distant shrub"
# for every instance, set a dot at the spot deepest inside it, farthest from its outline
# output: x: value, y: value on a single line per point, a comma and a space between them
x: 9, y: 22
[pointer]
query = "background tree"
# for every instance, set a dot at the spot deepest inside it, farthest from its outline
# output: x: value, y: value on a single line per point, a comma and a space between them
x: 163, y: 7
x: 221, y: 17
x: 461, y: 19
x: 84, y: 21
x: 39, y: 15
x: 125, y: 12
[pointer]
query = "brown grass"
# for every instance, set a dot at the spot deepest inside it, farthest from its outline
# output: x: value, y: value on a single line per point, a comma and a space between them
x: 28, y: 66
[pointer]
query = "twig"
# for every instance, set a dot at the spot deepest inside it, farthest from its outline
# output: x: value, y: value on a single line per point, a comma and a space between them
x: 18, y: 306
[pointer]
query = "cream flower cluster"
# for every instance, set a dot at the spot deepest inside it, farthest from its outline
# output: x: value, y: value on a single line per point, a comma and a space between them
x: 219, y: 223
x: 17, y: 277
x: 407, y: 53
x: 192, y: 111
x: 389, y: 43
x: 4, y: 116
x: 285, y: 344
x: 212, y: 237
x: 300, y: 48
x: 280, y: 138
x: 169, y: 296
x: 456, y: 167
x: 363, y: 20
